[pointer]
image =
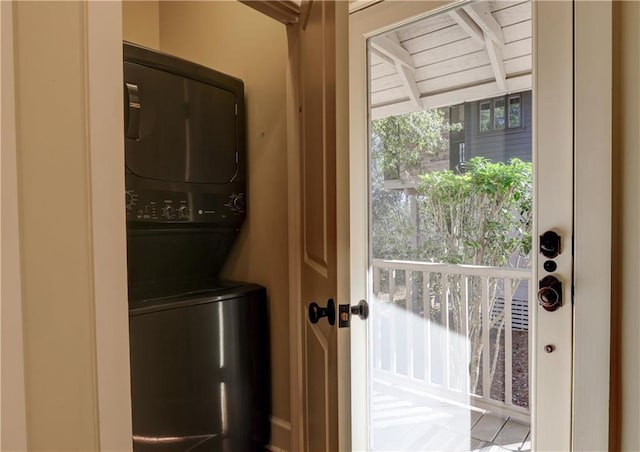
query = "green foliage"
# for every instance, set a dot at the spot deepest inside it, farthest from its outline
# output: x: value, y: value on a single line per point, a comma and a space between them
x: 392, y: 229
x: 479, y: 217
x: 400, y: 142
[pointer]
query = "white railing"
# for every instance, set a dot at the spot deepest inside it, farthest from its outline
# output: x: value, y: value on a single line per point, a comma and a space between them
x: 417, y: 346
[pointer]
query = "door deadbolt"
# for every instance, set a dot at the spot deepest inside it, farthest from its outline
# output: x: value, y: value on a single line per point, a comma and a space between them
x: 550, y: 244
x: 550, y: 293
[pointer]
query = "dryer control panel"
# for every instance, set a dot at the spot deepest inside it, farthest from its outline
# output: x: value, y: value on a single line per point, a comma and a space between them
x: 155, y: 206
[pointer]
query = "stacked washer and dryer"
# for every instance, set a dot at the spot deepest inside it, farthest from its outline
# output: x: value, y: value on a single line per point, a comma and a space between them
x: 200, y: 376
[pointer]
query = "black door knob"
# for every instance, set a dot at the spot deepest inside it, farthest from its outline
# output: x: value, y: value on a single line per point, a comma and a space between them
x: 316, y: 312
x: 361, y: 309
x: 550, y: 293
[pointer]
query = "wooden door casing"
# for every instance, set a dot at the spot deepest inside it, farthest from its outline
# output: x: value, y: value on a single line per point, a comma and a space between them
x: 323, y: 217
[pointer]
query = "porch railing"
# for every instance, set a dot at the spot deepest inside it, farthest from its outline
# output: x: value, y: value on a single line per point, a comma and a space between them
x: 430, y: 320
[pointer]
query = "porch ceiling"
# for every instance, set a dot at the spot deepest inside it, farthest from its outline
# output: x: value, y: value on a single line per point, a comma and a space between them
x: 478, y: 51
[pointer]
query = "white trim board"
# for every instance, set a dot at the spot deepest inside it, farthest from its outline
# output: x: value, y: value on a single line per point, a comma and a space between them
x: 593, y: 213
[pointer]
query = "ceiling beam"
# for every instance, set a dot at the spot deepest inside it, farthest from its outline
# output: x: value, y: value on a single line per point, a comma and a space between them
x: 481, y: 14
x: 409, y: 81
x: 453, y: 97
x: 495, y: 57
x: 468, y: 25
x: 490, y: 33
x: 383, y: 57
x: 284, y: 11
x: 388, y: 47
x: 393, y: 50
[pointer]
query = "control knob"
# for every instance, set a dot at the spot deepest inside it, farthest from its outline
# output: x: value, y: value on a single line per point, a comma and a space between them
x: 130, y: 199
x: 169, y: 212
x: 236, y: 202
x: 184, y: 212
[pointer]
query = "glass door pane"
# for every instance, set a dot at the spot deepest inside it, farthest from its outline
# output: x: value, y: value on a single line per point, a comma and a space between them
x: 450, y: 230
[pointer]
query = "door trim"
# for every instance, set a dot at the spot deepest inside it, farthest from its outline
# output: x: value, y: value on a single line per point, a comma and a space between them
x: 13, y: 425
x: 106, y: 184
x: 593, y: 214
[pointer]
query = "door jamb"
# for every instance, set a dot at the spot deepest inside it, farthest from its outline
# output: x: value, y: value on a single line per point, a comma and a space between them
x: 13, y: 428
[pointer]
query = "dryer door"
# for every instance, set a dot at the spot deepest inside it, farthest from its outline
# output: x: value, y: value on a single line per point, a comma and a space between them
x: 178, y: 129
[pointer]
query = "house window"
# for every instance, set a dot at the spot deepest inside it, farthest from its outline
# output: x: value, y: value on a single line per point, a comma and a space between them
x: 499, y: 119
x: 485, y: 116
x: 500, y: 113
x: 515, y: 112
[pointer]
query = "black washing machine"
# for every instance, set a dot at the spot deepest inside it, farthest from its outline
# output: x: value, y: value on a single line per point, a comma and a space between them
x: 200, y: 374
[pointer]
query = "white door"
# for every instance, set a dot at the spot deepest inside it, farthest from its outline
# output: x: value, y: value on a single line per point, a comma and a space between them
x: 417, y: 372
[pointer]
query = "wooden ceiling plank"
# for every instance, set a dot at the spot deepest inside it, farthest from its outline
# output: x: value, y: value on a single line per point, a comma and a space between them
x: 514, y: 14
x: 428, y: 76
x: 454, y: 97
x: 481, y: 14
x: 468, y: 25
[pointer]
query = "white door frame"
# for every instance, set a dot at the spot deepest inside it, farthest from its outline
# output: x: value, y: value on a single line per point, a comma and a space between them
x: 592, y: 216
x: 103, y: 71
x: 592, y: 219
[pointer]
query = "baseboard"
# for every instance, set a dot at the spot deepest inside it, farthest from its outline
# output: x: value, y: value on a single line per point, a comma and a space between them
x: 280, y: 435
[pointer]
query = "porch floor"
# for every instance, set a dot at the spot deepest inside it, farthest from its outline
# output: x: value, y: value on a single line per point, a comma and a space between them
x: 404, y: 421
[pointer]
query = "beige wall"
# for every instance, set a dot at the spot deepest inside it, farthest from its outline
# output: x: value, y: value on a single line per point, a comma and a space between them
x: 625, y: 413
x: 141, y: 22
x: 55, y: 229
x: 241, y: 42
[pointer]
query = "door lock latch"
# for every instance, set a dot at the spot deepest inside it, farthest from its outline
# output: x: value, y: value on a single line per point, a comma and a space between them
x: 345, y: 312
x: 550, y: 293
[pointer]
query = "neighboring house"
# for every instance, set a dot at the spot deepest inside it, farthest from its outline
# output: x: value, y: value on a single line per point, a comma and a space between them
x: 498, y: 128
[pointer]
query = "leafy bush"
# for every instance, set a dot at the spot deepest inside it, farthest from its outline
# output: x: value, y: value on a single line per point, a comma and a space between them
x: 481, y: 216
